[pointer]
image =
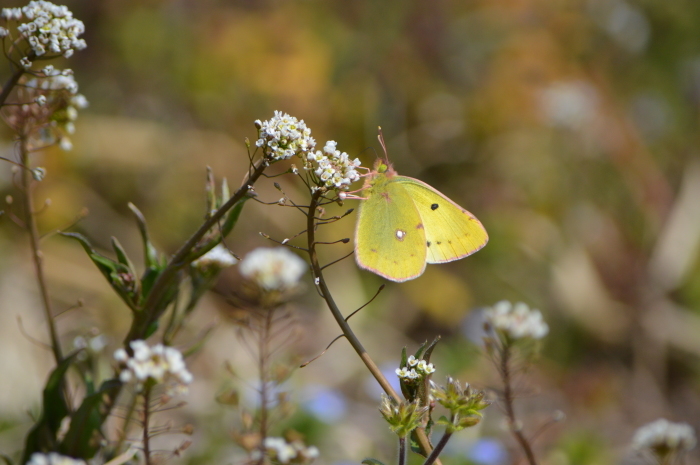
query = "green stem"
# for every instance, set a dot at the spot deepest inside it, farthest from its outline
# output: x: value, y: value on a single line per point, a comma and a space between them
x: 433, y: 457
x: 344, y: 326
x: 510, y: 410
x: 402, y: 450
x: 34, y: 242
x: 178, y: 261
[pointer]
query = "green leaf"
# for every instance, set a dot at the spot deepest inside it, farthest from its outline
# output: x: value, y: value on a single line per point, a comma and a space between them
x: 429, y: 350
x: 150, y: 253
x: 415, y: 446
x: 419, y: 352
x: 110, y: 269
x: 371, y: 461
x: 123, y: 258
x: 42, y: 437
x: 83, y: 437
x: 404, y: 358
x: 232, y: 217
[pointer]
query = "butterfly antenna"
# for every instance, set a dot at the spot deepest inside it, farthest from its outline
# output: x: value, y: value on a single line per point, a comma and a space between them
x: 381, y: 142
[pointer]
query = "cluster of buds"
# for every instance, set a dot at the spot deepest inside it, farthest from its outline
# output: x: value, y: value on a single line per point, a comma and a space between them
x: 152, y: 366
x: 415, y: 369
x: 49, y: 29
x: 333, y: 168
x: 464, y: 404
x: 284, y: 136
x: 403, y: 417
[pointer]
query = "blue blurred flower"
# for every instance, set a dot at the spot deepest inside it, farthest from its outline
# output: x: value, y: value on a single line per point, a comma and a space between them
x: 327, y: 405
x: 488, y: 451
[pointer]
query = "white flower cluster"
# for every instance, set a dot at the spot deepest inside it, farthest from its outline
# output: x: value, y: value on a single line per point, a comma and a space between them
x: 516, y: 321
x: 158, y: 364
x: 219, y: 257
x: 273, y: 269
x: 333, y: 167
x: 284, y: 136
x: 416, y: 369
x: 284, y: 452
x: 50, y: 28
x: 53, y: 458
x: 664, y: 435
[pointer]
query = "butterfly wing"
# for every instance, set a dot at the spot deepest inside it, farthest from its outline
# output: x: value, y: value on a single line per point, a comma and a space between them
x: 451, y: 232
x: 389, y: 237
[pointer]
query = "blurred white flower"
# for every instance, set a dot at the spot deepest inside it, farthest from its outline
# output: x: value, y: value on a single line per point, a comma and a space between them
x: 53, y: 458
x: 273, y: 269
x: 284, y: 136
x: 159, y: 364
x: 218, y: 257
x: 664, y: 436
x: 516, y: 321
x: 285, y: 452
x: 569, y: 104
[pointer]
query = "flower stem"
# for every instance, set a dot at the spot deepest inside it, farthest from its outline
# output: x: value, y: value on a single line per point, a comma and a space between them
x: 37, y: 257
x: 344, y: 326
x: 146, y: 419
x: 508, y: 403
x: 10, y: 84
x: 402, y: 450
x: 178, y: 261
x: 438, y: 449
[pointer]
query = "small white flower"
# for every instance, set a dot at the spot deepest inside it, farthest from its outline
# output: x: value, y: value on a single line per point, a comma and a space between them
x: 3, y: 32
x: 333, y: 168
x: 66, y: 144
x: 425, y: 367
x: 664, y: 435
x: 412, y: 361
x: 402, y: 372
x: 219, y: 257
x: 51, y: 25
x: 159, y: 364
x: 25, y: 62
x: 273, y: 269
x: 284, y: 136
x: 40, y: 100
x: 516, y: 321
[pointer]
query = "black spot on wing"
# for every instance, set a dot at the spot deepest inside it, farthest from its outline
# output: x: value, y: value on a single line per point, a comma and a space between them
x: 428, y: 243
x: 434, y: 206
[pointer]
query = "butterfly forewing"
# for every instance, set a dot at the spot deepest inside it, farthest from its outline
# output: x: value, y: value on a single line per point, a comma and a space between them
x: 451, y: 232
x: 389, y: 237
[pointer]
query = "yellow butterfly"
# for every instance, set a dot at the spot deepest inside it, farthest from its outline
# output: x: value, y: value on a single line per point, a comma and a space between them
x: 404, y: 224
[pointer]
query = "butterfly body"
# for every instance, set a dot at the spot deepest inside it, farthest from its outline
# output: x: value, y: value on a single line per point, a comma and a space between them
x: 405, y: 224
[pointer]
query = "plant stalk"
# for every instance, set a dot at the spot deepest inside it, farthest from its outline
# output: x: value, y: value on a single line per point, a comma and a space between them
x: 508, y: 402
x: 34, y: 242
x: 344, y: 326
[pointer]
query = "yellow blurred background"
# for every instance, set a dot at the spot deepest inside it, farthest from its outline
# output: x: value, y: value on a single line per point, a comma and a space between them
x: 568, y: 127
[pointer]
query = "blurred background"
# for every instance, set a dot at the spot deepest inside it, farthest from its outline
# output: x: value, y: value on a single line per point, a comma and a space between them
x: 568, y: 127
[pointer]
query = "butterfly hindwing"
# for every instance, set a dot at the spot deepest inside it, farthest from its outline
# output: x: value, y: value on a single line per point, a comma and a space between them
x: 451, y: 232
x: 389, y: 235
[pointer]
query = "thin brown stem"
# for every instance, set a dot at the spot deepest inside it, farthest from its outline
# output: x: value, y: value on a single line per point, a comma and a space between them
x: 10, y: 84
x: 34, y: 240
x: 146, y: 419
x: 340, y: 319
x: 513, y: 424
x: 438, y: 449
